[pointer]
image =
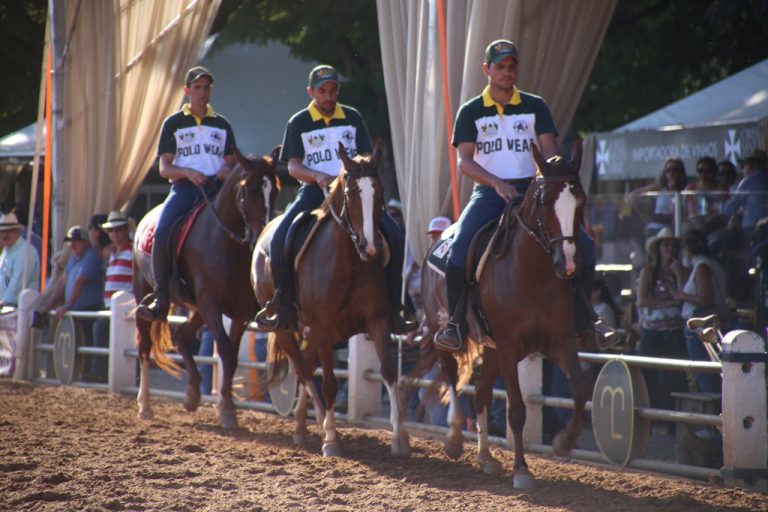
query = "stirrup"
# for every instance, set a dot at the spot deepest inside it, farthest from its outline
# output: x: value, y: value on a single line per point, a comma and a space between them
x: 150, y: 312
x: 605, y: 335
x: 404, y: 321
x: 267, y: 316
x: 450, y: 338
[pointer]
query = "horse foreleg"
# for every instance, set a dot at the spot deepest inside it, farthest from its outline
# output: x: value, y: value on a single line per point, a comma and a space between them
x: 331, y: 445
x: 454, y: 440
x: 483, y: 397
x: 565, y: 440
x: 184, y: 339
x: 401, y: 444
x: 228, y: 351
x: 522, y: 478
x: 144, y: 348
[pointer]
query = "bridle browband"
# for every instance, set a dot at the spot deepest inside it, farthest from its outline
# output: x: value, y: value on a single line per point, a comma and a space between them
x: 342, y: 219
x: 541, y: 235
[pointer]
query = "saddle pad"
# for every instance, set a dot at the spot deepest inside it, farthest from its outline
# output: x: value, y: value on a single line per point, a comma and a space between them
x: 438, y: 258
x: 148, y: 237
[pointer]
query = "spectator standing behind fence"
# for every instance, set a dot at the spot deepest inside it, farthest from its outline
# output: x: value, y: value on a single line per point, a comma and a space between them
x: 12, y: 258
x: 727, y: 177
x: 119, y: 277
x: 705, y: 201
x: 661, y: 319
x: 751, y: 196
x: 100, y: 240
x: 703, y: 294
x: 673, y: 179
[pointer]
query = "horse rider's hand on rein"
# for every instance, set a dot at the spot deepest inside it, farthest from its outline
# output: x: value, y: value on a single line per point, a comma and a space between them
x: 505, y: 190
x: 323, y: 180
x: 196, y: 177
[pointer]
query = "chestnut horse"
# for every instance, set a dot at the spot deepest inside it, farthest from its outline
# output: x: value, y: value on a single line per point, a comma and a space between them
x: 526, y: 295
x: 341, y: 291
x: 214, y: 266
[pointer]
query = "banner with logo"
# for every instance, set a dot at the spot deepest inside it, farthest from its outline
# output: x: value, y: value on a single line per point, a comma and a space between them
x: 641, y: 154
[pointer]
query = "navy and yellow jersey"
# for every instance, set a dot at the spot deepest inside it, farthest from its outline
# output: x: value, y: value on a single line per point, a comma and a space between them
x: 503, y: 134
x: 315, y: 139
x: 199, y: 144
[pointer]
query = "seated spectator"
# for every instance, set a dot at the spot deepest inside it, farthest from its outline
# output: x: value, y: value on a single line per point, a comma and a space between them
x: 661, y: 319
x: 706, y: 201
x: 751, y: 196
x: 703, y: 294
x: 672, y: 179
x: 99, y: 238
x: 119, y: 277
x: 727, y: 177
x: 15, y: 254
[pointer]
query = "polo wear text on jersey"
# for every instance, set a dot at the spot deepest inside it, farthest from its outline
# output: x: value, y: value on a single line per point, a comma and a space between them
x: 200, y: 146
x: 316, y: 143
x: 503, y: 141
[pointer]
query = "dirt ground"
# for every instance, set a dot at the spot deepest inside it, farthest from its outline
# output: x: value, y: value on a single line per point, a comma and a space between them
x: 65, y: 448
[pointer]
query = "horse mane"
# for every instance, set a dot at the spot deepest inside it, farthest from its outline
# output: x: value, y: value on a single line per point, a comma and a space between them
x: 336, y: 187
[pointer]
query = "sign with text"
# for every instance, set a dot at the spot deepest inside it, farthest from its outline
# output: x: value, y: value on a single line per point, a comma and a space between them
x: 67, y: 363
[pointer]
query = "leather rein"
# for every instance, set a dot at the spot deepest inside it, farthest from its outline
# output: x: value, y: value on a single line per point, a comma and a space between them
x: 241, y: 208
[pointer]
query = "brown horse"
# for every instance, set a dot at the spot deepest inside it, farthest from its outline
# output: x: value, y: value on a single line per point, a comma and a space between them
x: 214, y: 266
x: 526, y: 297
x: 341, y: 291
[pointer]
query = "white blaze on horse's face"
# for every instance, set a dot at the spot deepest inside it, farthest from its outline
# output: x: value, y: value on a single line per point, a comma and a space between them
x: 367, y: 196
x: 266, y: 190
x: 565, y: 211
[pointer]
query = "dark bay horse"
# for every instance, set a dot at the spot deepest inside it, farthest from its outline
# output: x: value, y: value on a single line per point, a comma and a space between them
x: 340, y: 291
x: 214, y: 265
x: 525, y: 292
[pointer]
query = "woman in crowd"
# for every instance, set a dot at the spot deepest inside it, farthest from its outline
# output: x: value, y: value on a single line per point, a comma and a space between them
x: 661, y: 316
x: 703, y: 294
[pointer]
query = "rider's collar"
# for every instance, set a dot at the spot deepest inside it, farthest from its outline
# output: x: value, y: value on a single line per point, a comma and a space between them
x: 489, y: 102
x: 338, y: 113
x: 187, y: 109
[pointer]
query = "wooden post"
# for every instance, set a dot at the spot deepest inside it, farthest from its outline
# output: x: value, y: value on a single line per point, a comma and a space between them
x: 25, y: 355
x: 530, y: 373
x: 364, y: 395
x: 122, y: 333
x: 745, y: 428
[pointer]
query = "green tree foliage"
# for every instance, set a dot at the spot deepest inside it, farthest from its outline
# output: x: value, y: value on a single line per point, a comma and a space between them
x: 342, y: 33
x: 659, y: 51
x: 21, y: 49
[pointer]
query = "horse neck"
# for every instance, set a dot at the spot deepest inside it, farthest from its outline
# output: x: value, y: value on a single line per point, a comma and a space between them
x: 225, y: 202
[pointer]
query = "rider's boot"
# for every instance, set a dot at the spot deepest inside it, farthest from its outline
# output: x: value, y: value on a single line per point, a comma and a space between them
x: 154, y: 307
x: 451, y: 337
x: 402, y: 316
x: 279, y: 314
x: 588, y: 324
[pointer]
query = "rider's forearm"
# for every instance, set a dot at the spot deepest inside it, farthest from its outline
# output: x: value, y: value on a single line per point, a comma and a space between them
x: 303, y: 173
x: 477, y: 173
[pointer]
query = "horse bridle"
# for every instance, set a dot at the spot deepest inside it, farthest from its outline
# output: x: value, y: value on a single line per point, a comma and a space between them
x: 241, y: 209
x: 343, y: 221
x: 541, y: 235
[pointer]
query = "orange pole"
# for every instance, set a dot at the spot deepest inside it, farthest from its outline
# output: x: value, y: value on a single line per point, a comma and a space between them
x: 47, y: 171
x: 447, y: 107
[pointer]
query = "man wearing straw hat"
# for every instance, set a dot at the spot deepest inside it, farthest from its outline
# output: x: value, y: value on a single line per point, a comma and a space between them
x: 12, y: 260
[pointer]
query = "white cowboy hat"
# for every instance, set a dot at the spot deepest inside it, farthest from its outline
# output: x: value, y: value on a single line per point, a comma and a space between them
x: 9, y: 221
x: 115, y: 220
x: 663, y: 234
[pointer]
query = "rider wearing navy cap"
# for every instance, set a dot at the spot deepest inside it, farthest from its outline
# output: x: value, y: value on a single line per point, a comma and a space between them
x: 493, y: 134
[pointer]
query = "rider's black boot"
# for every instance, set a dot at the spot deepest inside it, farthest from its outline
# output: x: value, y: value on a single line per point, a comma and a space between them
x: 279, y: 314
x: 155, y: 305
x: 451, y: 337
x: 588, y: 324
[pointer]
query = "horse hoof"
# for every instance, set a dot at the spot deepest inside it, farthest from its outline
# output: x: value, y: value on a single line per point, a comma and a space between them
x: 522, y: 479
x: 453, y: 450
x: 228, y: 420
x: 490, y: 466
x: 191, y: 402
x: 401, y: 447
x: 332, y: 449
x: 562, y: 444
x: 146, y: 415
x: 300, y: 438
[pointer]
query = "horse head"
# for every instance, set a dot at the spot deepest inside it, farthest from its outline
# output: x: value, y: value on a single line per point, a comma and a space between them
x: 553, y: 208
x: 363, y: 200
x: 257, y: 187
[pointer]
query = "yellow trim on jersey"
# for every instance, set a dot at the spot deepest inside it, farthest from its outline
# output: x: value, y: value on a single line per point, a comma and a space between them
x: 316, y: 115
x: 488, y: 101
x: 187, y: 109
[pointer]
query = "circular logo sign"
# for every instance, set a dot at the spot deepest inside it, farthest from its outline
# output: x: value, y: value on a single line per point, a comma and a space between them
x: 66, y: 361
x: 619, y: 433
x: 285, y: 394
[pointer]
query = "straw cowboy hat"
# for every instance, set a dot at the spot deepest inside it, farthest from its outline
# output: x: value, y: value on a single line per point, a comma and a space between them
x: 664, y: 234
x: 9, y: 221
x: 115, y: 220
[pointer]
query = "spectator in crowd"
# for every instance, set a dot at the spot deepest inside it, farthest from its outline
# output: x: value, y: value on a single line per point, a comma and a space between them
x: 15, y: 254
x: 705, y: 201
x: 82, y: 282
x: 604, y: 303
x: 661, y: 319
x: 119, y: 277
x: 702, y: 294
x: 672, y: 179
x: 727, y: 177
x: 751, y: 196
x: 99, y: 238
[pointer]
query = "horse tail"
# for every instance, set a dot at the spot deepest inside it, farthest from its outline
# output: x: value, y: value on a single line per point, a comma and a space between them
x: 161, y: 345
x: 277, y: 359
x: 466, y: 362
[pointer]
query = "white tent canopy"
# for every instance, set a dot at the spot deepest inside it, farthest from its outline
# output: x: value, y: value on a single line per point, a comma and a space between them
x: 742, y: 96
x: 20, y: 143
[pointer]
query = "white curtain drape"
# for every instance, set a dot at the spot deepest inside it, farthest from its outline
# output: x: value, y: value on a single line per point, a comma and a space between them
x: 557, y: 42
x: 123, y: 72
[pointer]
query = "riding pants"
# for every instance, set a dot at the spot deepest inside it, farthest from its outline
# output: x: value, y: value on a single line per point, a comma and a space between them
x: 182, y: 197
x: 309, y: 197
x: 486, y: 205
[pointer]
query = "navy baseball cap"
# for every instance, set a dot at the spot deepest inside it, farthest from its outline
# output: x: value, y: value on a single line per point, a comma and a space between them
x: 195, y: 73
x: 499, y: 50
x: 76, y: 233
x: 321, y: 74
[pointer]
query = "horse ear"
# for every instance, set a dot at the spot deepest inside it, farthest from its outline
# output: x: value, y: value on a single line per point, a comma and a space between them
x: 240, y: 158
x: 345, y: 158
x: 576, y: 151
x: 541, y: 163
x: 275, y: 154
x: 374, y: 161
